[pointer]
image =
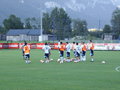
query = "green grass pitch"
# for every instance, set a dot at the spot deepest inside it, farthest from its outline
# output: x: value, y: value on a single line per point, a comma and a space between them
x: 16, y: 75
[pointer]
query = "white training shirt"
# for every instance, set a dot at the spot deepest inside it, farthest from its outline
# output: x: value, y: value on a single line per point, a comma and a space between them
x: 78, y: 48
x: 82, y: 46
x: 89, y: 45
x: 73, y: 46
x: 68, y: 47
x: 46, y: 48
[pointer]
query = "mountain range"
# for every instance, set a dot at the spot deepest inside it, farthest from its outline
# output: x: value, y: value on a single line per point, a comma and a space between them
x: 97, y: 13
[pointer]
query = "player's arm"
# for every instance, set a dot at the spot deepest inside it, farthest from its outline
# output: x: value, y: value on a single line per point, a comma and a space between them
x: 43, y: 48
x: 49, y: 50
x: 59, y: 47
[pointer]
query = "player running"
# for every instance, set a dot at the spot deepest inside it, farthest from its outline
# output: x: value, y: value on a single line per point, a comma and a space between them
x: 68, y: 49
x: 26, y: 51
x: 47, y: 49
x: 77, y: 52
x: 61, y: 49
x: 91, y: 48
x: 83, y: 53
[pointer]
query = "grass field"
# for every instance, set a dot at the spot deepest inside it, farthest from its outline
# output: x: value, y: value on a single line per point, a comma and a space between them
x: 16, y: 75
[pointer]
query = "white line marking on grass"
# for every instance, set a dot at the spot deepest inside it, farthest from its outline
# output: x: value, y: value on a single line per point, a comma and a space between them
x: 117, y: 69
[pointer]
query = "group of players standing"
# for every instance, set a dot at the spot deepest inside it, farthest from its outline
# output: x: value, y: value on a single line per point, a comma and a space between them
x: 79, y: 52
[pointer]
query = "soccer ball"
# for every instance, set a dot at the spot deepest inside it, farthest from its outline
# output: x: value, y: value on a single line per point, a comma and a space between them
x: 41, y: 61
x: 27, y: 61
x: 51, y: 59
x: 58, y: 60
x: 103, y: 62
x: 61, y: 62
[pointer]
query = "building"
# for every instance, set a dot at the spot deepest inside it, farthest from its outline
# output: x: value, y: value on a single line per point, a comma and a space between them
x: 26, y: 35
x: 94, y: 30
x: 108, y: 36
x: 2, y: 37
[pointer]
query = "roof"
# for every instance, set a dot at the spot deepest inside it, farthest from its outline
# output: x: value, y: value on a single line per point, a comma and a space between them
x: 17, y: 32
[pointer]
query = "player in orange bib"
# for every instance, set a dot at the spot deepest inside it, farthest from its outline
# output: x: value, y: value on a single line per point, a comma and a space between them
x: 26, y: 51
x: 91, y: 48
x: 61, y: 49
x: 84, y: 49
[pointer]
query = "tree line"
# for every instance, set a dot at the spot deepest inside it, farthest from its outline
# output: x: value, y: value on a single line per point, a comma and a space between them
x: 58, y: 22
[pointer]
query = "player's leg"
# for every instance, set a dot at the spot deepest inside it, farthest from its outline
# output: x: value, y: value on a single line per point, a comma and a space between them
x: 81, y: 56
x: 27, y: 58
x: 61, y: 56
x: 77, y: 57
x: 75, y: 53
x: 46, y: 57
x: 84, y: 56
x: 68, y: 57
x: 92, y: 54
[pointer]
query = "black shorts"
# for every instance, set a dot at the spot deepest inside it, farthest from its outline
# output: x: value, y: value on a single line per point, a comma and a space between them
x: 46, y: 55
x: 91, y: 53
x: 74, y: 52
x: 27, y: 55
x: 83, y: 53
x: 61, y: 53
x: 68, y: 54
x: 77, y: 54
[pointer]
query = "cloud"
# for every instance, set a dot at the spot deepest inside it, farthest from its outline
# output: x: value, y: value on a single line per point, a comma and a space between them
x: 22, y: 1
x: 75, y: 6
x: 93, y: 3
x: 115, y: 2
x: 51, y: 4
x: 118, y: 6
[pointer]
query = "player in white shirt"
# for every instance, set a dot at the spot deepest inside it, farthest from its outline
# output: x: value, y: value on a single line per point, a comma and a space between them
x: 68, y: 49
x: 77, y: 52
x: 46, y: 49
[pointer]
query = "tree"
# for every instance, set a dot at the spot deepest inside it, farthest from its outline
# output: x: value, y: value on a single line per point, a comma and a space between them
x: 13, y: 22
x: 27, y: 24
x: 60, y: 23
x: 32, y: 23
x: 2, y: 30
x: 107, y: 29
x: 116, y: 22
x: 35, y: 22
x: 79, y: 27
x: 46, y: 23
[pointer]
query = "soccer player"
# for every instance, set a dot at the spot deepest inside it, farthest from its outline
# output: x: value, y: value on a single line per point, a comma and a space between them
x: 68, y: 49
x: 73, y: 48
x: 91, y: 48
x: 26, y: 50
x: 47, y: 49
x: 61, y: 49
x: 83, y: 54
x: 77, y: 52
